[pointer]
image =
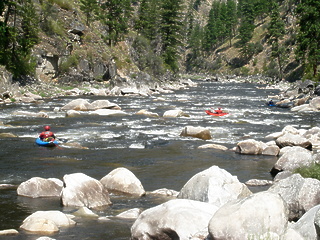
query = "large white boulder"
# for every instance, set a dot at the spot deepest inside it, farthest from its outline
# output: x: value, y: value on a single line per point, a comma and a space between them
x: 78, y: 105
x: 300, y: 194
x: 83, y: 191
x: 40, y: 187
x: 260, y: 216
x: 47, y: 222
x: 175, y: 219
x: 215, y: 186
x: 293, y: 158
x: 123, y: 180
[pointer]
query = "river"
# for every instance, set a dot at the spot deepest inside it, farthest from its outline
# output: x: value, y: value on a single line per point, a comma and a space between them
x: 149, y: 147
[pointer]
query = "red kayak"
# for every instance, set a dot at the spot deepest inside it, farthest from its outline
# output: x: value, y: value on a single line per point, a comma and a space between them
x: 215, y: 114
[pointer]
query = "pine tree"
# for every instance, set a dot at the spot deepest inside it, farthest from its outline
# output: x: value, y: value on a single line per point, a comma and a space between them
x: 18, y: 34
x: 171, y: 27
x: 90, y: 9
x: 308, y: 48
x: 147, y: 23
x: 115, y: 16
x: 276, y: 31
x: 231, y: 19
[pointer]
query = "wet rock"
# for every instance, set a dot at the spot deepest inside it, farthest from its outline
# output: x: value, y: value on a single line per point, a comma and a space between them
x: 214, y: 185
x: 123, y: 180
x: 269, y: 221
x: 175, y: 219
x: 31, y: 114
x: 8, y: 232
x: 300, y: 194
x: 130, y: 214
x: 77, y: 104
x: 147, y: 113
x: 165, y: 192
x: 83, y: 191
x: 214, y: 146
x: 7, y: 135
x: 104, y: 104
x: 46, y: 222
x: 196, y: 132
x: 40, y: 187
x: 85, y: 212
x: 73, y: 113
x: 251, y: 147
x: 174, y: 113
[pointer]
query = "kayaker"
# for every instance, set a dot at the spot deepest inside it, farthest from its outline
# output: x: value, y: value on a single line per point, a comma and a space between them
x: 218, y: 111
x: 47, y: 135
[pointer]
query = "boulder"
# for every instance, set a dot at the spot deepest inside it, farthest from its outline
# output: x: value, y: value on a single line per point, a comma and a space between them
x: 123, y: 180
x: 214, y: 185
x: 196, y: 132
x: 300, y: 194
x: 77, y: 104
x: 251, y: 147
x: 104, y: 104
x: 262, y: 215
x: 213, y: 146
x: 73, y: 113
x: 130, y: 214
x: 46, y: 222
x: 308, y: 225
x: 8, y: 232
x: 31, y: 114
x: 271, y: 150
x: 315, y: 103
x: 295, y: 158
x: 175, y: 219
x: 40, y: 187
x: 174, y: 113
x: 83, y: 191
x: 289, y: 139
x: 147, y: 113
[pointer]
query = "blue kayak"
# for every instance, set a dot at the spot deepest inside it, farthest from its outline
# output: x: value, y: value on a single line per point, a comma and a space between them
x: 46, y: 144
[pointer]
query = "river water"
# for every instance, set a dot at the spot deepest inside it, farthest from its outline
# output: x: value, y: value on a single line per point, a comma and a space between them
x: 149, y: 147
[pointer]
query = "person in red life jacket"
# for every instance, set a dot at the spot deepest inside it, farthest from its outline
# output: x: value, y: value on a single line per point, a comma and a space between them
x: 218, y: 111
x: 47, y: 135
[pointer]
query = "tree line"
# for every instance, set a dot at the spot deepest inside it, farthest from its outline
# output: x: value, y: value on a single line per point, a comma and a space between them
x: 172, y: 31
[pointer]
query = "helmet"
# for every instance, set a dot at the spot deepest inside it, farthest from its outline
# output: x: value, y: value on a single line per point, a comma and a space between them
x: 47, y: 128
x: 219, y: 108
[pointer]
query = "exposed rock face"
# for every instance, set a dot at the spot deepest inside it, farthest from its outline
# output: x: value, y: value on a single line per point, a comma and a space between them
x: 260, y: 216
x: 175, y: 219
x: 46, y: 222
x: 300, y: 194
x: 83, y: 191
x: 215, y: 186
x: 123, y: 180
x: 39, y: 187
x: 197, y: 132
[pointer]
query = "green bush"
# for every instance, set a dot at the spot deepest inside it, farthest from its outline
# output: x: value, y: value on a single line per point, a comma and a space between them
x: 310, y: 172
x: 71, y: 61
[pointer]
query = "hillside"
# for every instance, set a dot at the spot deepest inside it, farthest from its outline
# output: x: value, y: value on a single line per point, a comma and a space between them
x: 81, y: 41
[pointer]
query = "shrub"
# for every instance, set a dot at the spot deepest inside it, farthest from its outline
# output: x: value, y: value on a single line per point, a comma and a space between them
x: 310, y: 172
